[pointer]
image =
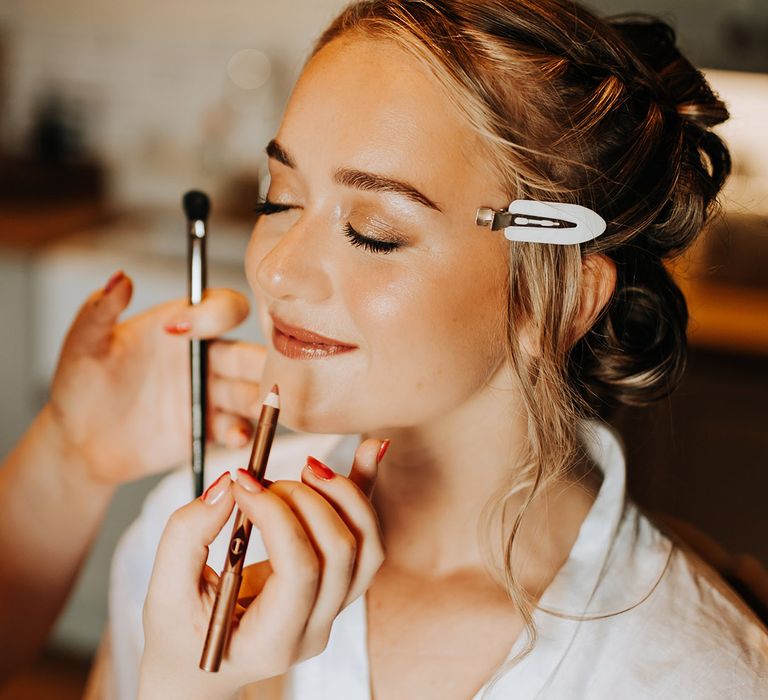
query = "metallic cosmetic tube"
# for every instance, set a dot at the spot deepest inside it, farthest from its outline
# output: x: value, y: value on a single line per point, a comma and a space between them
x: 220, y: 625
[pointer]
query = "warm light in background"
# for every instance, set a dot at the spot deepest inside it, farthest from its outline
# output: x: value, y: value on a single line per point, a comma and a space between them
x: 249, y: 69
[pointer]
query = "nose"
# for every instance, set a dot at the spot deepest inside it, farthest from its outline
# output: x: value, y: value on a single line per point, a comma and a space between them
x: 293, y: 268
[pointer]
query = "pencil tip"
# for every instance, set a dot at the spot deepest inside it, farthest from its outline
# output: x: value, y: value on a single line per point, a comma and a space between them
x: 273, y: 397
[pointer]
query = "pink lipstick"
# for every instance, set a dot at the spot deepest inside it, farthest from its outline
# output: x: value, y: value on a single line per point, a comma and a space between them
x: 301, y: 344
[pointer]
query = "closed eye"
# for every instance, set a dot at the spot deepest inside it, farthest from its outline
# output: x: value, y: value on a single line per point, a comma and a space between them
x: 371, y: 244
x: 266, y: 208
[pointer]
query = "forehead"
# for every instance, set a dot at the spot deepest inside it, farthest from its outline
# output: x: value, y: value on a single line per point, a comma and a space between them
x: 371, y: 105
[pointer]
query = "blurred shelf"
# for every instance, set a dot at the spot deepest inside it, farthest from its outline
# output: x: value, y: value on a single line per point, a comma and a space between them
x: 27, y: 227
x: 727, y: 317
x: 725, y: 281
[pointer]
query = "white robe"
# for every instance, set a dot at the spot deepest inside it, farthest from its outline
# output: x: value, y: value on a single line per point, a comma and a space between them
x: 686, y: 634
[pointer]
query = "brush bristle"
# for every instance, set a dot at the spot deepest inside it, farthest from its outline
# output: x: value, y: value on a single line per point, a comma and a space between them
x: 196, y: 205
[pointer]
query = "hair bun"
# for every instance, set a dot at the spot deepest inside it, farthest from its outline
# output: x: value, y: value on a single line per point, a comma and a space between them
x: 636, y: 352
x: 680, y: 84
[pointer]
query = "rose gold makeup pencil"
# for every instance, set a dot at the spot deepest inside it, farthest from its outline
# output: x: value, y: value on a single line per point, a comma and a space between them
x: 229, y: 583
x: 196, y: 207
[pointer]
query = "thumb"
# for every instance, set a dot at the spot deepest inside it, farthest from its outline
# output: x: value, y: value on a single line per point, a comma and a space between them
x: 91, y: 331
x: 365, y: 466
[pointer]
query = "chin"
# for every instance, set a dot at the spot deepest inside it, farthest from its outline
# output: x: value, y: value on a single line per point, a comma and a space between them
x: 303, y: 423
x: 307, y: 406
x: 328, y: 420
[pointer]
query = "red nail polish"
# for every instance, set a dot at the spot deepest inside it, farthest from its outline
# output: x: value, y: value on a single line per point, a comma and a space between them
x: 212, y: 493
x: 319, y: 469
x: 382, y: 450
x: 179, y: 328
x: 113, y: 281
x: 248, y: 481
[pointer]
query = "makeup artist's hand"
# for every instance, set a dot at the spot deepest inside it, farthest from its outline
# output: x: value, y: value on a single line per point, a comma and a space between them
x: 118, y: 409
x: 120, y: 396
x: 324, y: 545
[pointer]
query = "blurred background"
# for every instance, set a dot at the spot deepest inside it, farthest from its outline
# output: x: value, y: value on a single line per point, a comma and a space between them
x: 110, y: 111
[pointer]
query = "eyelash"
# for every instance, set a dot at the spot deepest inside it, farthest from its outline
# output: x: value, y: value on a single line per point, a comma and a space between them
x: 266, y: 208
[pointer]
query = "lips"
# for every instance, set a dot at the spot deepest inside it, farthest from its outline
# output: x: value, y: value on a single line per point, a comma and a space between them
x: 300, y: 343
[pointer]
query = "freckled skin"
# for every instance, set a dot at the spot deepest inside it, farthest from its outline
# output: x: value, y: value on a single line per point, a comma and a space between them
x: 425, y: 317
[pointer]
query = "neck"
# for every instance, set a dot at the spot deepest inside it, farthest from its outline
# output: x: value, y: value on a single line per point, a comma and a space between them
x: 437, y: 478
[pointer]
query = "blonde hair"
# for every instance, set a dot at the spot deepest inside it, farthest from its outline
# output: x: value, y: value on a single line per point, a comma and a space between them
x: 603, y: 113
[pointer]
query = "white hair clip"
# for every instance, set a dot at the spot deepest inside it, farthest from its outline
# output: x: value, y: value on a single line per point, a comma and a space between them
x: 543, y: 222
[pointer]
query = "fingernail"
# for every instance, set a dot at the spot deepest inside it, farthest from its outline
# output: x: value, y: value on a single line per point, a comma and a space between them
x: 113, y: 282
x: 178, y: 327
x: 248, y: 481
x: 217, y: 489
x: 319, y: 469
x: 382, y: 450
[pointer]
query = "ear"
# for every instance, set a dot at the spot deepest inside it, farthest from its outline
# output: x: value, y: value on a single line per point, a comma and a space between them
x: 598, y: 280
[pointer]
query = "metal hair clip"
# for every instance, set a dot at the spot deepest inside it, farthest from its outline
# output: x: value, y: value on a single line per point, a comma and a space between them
x: 543, y: 222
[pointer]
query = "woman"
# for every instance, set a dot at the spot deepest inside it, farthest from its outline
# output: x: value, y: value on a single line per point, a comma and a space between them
x: 497, y: 556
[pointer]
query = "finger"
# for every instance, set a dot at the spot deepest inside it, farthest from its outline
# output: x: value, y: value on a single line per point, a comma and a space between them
x: 91, y: 331
x: 209, y: 582
x: 218, y: 312
x: 235, y: 359
x: 231, y: 431
x: 336, y: 547
x: 183, y: 550
x: 236, y: 397
x: 286, y: 600
x: 358, y: 514
x: 254, y: 578
x: 365, y: 465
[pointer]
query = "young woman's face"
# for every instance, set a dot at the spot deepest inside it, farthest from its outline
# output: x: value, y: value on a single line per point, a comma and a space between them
x: 372, y: 243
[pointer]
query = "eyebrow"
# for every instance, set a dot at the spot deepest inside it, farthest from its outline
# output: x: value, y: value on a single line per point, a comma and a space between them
x: 276, y: 151
x: 359, y: 179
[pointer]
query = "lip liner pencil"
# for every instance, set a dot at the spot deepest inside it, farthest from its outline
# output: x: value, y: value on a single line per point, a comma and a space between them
x: 220, y: 625
x: 196, y: 207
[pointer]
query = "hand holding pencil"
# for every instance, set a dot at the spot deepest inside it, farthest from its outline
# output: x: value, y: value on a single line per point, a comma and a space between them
x: 322, y: 538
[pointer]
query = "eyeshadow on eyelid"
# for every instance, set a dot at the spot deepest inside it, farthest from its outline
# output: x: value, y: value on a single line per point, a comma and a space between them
x: 377, y: 225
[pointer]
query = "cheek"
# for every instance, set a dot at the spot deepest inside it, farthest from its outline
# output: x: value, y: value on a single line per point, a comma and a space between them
x: 432, y: 339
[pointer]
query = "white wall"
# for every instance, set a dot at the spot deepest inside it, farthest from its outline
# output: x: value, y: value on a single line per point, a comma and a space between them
x: 746, y: 96
x: 151, y: 80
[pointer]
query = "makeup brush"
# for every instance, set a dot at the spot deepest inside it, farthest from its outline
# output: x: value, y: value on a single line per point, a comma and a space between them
x: 196, y: 207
